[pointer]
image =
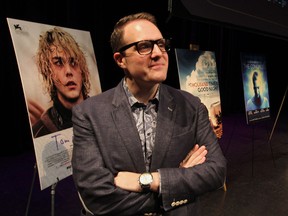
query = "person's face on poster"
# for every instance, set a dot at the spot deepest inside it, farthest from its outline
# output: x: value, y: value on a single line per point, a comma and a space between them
x: 256, y: 88
x: 67, y: 75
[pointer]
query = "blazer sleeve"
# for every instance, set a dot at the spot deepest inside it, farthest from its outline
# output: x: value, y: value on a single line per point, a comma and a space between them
x: 180, y: 186
x: 94, y: 182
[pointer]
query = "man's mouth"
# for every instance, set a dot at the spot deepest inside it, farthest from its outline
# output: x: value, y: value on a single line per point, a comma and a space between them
x: 70, y: 83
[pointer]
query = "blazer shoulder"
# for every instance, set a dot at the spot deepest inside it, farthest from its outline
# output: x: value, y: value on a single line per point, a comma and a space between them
x: 179, y: 94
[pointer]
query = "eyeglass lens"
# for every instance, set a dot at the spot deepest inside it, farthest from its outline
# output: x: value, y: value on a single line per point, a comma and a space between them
x: 147, y: 46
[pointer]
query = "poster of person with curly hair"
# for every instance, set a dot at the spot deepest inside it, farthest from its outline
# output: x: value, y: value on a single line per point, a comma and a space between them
x: 58, y: 70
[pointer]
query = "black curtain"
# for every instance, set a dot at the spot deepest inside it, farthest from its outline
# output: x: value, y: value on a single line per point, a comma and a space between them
x: 98, y: 17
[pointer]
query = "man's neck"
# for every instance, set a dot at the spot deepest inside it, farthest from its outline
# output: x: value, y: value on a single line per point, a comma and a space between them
x: 142, y: 93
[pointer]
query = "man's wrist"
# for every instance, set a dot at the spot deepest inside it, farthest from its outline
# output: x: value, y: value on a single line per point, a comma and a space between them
x: 145, y: 180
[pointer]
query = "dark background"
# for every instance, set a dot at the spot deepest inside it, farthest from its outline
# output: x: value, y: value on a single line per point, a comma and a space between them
x: 98, y: 17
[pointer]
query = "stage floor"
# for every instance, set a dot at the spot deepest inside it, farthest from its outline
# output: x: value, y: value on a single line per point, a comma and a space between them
x: 257, y: 178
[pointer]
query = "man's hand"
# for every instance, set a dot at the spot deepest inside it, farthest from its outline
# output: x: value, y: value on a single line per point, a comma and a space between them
x: 196, y: 156
x: 218, y: 131
x: 35, y: 111
x: 129, y: 180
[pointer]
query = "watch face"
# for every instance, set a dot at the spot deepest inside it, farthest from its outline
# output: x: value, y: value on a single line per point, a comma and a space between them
x: 146, y: 179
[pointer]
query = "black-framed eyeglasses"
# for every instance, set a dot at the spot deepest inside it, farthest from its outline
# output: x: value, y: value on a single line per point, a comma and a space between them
x: 145, y: 47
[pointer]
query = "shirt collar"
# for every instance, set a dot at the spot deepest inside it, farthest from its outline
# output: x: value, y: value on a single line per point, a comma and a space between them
x: 132, y: 100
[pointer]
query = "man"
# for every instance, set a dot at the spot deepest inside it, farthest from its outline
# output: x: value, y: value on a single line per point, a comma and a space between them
x: 143, y: 148
x: 65, y: 74
x: 258, y: 101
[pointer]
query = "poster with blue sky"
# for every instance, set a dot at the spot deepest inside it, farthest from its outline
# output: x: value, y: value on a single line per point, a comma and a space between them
x: 198, y: 75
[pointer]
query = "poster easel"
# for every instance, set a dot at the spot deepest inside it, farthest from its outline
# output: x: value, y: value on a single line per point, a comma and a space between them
x: 31, y: 190
x: 53, y: 191
x: 276, y: 120
x: 256, y: 92
x: 53, y: 145
x: 253, y: 150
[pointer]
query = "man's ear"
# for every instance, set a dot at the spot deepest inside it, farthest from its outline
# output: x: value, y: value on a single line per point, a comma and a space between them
x: 118, y: 57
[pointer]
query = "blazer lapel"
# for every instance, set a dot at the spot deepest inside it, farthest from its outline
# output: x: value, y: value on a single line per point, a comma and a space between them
x: 165, y: 124
x: 125, y: 124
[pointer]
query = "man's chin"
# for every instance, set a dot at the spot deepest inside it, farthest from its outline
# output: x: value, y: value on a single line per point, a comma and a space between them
x: 74, y: 98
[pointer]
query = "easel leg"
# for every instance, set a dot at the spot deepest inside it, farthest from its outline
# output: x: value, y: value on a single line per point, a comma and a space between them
x: 252, y: 150
x: 272, y: 155
x: 225, y: 187
x: 53, y: 188
x: 31, y: 190
x: 274, y: 125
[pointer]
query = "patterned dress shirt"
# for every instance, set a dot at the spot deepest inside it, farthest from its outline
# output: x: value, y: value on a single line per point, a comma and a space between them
x: 146, y: 120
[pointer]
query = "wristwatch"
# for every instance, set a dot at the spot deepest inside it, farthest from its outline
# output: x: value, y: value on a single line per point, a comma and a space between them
x: 145, y: 180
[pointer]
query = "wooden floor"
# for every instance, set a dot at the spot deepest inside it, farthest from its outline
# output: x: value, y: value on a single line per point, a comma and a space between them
x: 257, y: 178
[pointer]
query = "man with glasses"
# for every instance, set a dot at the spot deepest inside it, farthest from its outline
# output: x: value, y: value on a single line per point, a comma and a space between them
x: 143, y: 148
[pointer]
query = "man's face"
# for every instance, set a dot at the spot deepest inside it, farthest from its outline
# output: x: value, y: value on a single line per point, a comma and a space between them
x: 256, y: 88
x: 150, y: 68
x: 66, y: 75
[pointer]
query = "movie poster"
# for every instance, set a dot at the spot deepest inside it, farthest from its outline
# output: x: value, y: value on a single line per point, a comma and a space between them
x: 255, y: 86
x: 198, y: 75
x: 54, y: 77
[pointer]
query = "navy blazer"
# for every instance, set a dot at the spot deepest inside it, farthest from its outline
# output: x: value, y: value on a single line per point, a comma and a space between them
x: 106, y: 141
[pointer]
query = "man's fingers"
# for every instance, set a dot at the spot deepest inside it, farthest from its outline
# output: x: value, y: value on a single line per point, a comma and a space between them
x: 194, y: 157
